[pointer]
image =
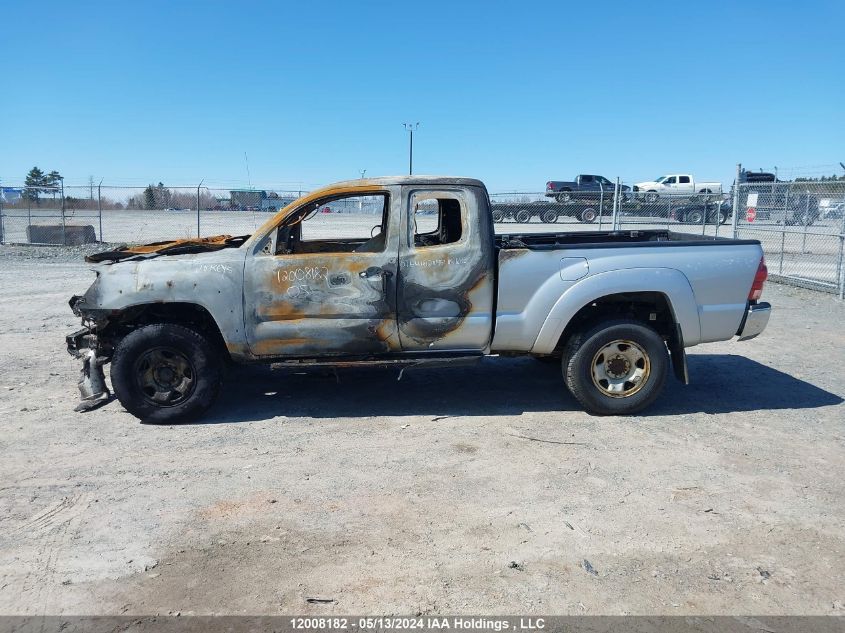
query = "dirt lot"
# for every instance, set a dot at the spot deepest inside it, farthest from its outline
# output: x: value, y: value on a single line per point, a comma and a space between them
x: 474, y: 490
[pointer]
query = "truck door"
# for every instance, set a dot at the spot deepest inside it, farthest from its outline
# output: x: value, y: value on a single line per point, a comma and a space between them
x: 446, y: 265
x: 589, y: 183
x: 685, y: 184
x: 671, y: 184
x: 324, y: 281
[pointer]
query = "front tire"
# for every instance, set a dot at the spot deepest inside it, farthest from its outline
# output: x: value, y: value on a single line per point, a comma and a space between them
x: 618, y: 367
x: 651, y: 197
x: 166, y: 373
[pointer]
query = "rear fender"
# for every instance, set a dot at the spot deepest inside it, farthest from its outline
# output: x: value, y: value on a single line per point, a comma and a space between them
x: 668, y: 281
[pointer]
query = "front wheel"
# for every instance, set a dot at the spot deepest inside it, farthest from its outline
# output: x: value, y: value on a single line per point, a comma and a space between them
x: 617, y: 368
x: 498, y: 216
x: 651, y: 197
x: 166, y: 373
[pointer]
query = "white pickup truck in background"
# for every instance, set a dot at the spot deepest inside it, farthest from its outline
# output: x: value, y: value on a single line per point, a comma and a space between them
x: 674, y: 184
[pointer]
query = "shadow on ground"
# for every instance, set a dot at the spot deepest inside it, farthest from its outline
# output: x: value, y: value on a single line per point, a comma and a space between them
x: 496, y: 386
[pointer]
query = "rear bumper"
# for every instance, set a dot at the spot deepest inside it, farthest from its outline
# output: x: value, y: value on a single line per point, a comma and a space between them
x: 755, y: 321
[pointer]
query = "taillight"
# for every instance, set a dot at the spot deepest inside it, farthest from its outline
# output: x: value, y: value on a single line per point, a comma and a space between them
x: 548, y: 185
x: 759, y: 279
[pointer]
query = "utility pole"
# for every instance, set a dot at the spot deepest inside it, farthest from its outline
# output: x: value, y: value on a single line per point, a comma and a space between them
x: 411, y: 128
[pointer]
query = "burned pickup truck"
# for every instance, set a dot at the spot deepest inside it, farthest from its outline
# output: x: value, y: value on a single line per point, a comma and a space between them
x: 415, y: 277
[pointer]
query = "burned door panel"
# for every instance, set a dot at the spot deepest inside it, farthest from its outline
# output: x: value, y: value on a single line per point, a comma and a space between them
x: 445, y: 290
x: 330, y: 295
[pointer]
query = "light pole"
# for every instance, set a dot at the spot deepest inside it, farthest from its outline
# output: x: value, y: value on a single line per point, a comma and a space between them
x: 411, y: 127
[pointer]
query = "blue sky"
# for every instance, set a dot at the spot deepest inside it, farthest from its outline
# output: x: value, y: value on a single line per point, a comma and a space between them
x: 513, y: 93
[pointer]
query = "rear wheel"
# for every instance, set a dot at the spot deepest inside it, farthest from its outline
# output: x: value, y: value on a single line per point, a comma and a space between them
x: 166, y: 373
x: 651, y: 197
x: 564, y: 196
x: 694, y: 217
x: 498, y: 216
x: 549, y: 216
x: 588, y: 215
x: 523, y: 216
x: 617, y: 368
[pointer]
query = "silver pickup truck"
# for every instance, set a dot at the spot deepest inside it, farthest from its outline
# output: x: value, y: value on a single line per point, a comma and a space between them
x: 408, y: 271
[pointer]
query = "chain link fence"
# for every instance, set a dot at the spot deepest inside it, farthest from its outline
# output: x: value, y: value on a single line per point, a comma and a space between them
x: 801, y: 225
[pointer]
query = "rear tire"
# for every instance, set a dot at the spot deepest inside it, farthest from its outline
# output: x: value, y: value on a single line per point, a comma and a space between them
x: 564, y: 196
x: 618, y: 367
x: 588, y: 215
x: 166, y: 373
x: 523, y: 216
x: 498, y: 216
x: 693, y: 217
x: 549, y: 217
x: 651, y: 197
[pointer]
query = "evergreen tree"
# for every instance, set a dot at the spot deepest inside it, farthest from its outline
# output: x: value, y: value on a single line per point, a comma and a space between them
x: 34, y: 184
x: 149, y: 198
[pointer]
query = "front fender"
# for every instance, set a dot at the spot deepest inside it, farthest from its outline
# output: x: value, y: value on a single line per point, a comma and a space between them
x: 213, y: 281
x: 670, y: 282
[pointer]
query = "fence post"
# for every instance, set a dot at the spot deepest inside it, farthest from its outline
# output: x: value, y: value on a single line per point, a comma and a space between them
x: 840, y: 270
x: 601, y: 202
x: 782, y: 248
x: 64, y: 230
x: 2, y: 240
x: 198, y: 207
x: 806, y: 221
x: 615, y: 205
x: 736, y: 200
x: 100, y: 209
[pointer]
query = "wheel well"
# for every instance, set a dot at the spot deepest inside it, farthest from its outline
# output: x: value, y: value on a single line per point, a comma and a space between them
x: 652, y: 308
x: 190, y: 315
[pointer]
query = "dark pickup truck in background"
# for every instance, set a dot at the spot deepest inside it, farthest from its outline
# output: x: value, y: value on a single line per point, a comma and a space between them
x: 564, y: 191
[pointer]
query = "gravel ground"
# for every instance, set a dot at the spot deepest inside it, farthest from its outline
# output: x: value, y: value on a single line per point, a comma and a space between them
x: 472, y: 490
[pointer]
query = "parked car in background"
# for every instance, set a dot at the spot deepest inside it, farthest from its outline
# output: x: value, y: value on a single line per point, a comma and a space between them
x: 674, y: 184
x: 565, y: 190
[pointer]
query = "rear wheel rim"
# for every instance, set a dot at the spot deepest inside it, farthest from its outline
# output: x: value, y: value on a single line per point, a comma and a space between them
x: 588, y: 216
x: 165, y: 376
x: 620, y: 368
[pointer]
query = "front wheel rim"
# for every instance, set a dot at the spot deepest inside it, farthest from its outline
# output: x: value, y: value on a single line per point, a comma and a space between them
x: 620, y: 368
x: 165, y: 376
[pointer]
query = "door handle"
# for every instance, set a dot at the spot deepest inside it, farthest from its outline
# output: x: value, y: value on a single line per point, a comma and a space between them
x: 374, y: 272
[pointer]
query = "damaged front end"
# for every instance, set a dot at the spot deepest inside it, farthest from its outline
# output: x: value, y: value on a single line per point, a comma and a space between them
x: 84, y: 344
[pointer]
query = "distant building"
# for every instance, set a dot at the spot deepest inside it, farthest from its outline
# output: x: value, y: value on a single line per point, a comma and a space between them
x: 258, y: 200
x: 247, y: 199
x: 10, y: 195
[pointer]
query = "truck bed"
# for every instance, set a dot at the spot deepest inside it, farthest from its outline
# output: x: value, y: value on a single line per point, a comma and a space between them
x: 544, y: 278
x: 609, y: 239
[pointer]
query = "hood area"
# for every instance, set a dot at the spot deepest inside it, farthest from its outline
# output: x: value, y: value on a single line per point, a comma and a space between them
x: 171, y: 247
